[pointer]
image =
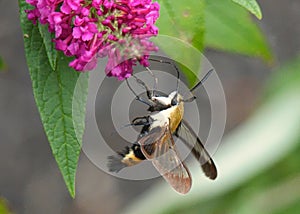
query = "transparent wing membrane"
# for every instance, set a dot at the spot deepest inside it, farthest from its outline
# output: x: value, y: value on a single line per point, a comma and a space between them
x: 166, y: 160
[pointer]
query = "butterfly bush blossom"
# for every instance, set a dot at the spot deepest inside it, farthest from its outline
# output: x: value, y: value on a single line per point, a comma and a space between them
x: 87, y: 29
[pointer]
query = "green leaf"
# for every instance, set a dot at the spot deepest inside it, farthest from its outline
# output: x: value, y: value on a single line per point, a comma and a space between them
x: 187, y: 56
x: 53, y: 84
x: 250, y: 5
x: 49, y: 45
x: 183, y: 22
x: 230, y: 28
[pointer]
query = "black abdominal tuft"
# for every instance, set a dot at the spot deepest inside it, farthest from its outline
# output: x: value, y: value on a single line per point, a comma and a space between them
x: 125, y: 151
x: 115, y: 163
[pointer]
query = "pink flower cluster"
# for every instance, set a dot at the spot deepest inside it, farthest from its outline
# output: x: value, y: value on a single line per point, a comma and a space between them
x: 87, y: 29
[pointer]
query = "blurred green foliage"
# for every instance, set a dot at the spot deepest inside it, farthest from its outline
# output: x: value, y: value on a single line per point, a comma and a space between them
x: 201, y: 24
x: 4, y: 207
x: 183, y: 21
x: 2, y: 64
x: 286, y: 77
x: 229, y: 28
x: 276, y: 189
x: 259, y: 194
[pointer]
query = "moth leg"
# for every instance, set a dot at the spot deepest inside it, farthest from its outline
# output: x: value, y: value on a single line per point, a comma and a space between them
x: 141, y: 121
x: 131, y: 155
x: 137, y: 97
x: 149, y: 93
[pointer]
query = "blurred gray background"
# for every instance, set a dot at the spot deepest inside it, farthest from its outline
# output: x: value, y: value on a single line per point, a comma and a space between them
x: 30, y: 179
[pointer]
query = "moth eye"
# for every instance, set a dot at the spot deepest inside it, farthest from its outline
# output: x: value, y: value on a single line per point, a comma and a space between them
x: 174, y: 102
x: 154, y: 98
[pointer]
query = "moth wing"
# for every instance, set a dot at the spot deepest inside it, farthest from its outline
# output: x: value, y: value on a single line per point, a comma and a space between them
x: 192, y: 141
x: 164, y: 156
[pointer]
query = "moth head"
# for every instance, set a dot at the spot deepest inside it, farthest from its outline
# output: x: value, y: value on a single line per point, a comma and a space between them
x: 175, y: 98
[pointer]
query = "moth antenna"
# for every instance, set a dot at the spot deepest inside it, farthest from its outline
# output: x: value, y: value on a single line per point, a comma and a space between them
x: 131, y: 88
x: 137, y: 97
x: 138, y: 121
x: 192, y: 98
x: 174, y: 65
x: 141, y: 82
x: 202, y: 80
x: 155, y: 81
